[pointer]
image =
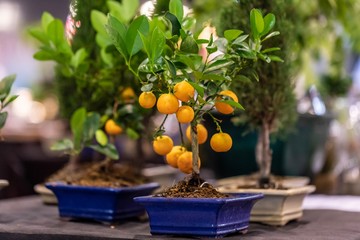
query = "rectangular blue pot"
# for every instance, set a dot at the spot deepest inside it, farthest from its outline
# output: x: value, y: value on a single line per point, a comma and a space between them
x: 103, y: 204
x: 202, y: 217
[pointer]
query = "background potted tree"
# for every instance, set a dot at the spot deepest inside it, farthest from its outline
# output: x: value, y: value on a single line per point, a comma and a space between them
x: 102, y: 105
x: 173, y: 72
x: 270, y: 105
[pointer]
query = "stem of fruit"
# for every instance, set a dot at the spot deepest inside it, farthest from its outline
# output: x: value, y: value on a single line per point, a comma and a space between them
x: 181, y: 135
x: 194, y: 148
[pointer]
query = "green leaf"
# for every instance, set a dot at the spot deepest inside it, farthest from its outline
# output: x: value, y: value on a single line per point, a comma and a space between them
x: 146, y: 44
x: 62, y: 145
x: 271, y: 50
x: 200, y: 90
x: 157, y: 44
x: 275, y: 58
x: 5, y: 86
x: 98, y: 21
x: 256, y: 22
x: 44, y: 56
x: 77, y: 125
x: 269, y: 23
x: 106, y: 57
x: 3, y: 117
x: 218, y: 64
x: 233, y: 104
x: 124, y: 11
x: 211, y: 76
x: 202, y: 41
x: 46, y: 19
x: 132, y: 39
x: 55, y: 32
x: 186, y: 60
x: 132, y: 134
x: 176, y: 8
x: 101, y: 137
x: 79, y: 57
x: 103, y: 40
x: 9, y: 100
x: 108, y: 150
x: 232, y: 34
x: 117, y: 33
x: 171, y: 68
x: 91, y: 124
x: 240, y: 40
x: 211, y: 49
x: 189, y: 45
x: 147, y: 87
x: 270, y: 35
x: 39, y: 35
x: 175, y: 24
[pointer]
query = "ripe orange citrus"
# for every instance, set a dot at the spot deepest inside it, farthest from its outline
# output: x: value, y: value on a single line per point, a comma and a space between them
x: 222, y: 107
x: 184, y: 91
x: 221, y: 142
x: 202, y: 133
x: 185, y: 114
x: 173, y: 156
x: 128, y: 94
x: 167, y: 103
x: 112, y: 128
x: 147, y: 99
x: 162, y: 145
x: 185, y: 162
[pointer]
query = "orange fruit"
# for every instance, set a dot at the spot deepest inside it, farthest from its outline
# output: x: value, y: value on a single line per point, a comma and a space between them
x: 202, y: 133
x: 222, y: 107
x: 185, y: 162
x: 112, y: 128
x: 128, y: 94
x: 221, y: 142
x: 185, y: 114
x: 167, y: 103
x: 173, y: 156
x: 147, y: 99
x: 184, y: 91
x: 162, y: 145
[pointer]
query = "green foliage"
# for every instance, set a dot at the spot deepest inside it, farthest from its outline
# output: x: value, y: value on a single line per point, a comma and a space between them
x: 266, y: 92
x: 5, y: 97
x: 172, y: 56
x: 85, y: 127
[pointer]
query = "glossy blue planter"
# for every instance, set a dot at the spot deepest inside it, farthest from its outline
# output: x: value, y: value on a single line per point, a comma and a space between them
x: 99, y: 203
x: 201, y: 217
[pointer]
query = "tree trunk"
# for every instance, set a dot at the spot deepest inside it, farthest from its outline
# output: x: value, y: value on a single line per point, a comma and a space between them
x: 194, y: 149
x: 264, y: 154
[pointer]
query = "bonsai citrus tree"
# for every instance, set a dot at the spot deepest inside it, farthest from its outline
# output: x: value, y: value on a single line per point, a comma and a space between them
x: 177, y: 80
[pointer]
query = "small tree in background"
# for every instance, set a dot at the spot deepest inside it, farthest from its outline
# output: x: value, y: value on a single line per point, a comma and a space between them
x: 268, y: 96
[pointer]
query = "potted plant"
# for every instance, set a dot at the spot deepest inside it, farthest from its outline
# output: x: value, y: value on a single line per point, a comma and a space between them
x: 100, y: 97
x: 5, y: 99
x: 178, y: 81
x: 270, y: 106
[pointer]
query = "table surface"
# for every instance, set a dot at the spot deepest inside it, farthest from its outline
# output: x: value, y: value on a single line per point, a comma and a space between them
x: 28, y: 218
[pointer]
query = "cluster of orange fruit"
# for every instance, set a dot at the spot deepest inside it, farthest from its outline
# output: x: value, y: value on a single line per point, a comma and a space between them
x: 168, y: 103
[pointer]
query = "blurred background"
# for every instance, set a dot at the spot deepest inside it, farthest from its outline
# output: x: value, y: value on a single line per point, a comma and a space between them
x: 323, y: 144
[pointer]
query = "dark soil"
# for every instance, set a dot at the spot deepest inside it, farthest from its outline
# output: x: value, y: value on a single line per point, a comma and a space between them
x: 102, y: 174
x: 195, y: 187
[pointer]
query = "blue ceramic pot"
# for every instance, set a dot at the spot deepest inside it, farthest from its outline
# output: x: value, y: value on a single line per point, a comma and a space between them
x: 201, y: 217
x: 99, y: 203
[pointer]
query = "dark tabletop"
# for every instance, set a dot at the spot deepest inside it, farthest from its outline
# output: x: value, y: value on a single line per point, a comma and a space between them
x: 28, y: 218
